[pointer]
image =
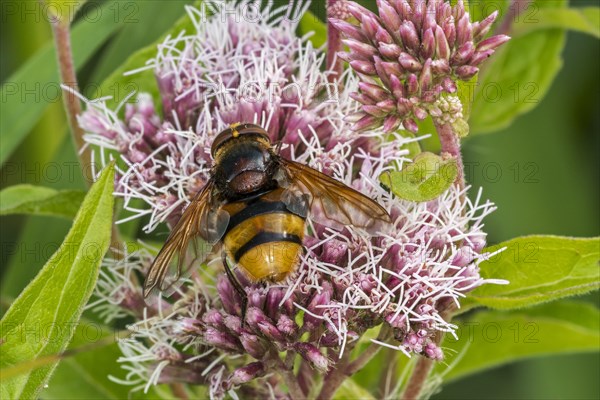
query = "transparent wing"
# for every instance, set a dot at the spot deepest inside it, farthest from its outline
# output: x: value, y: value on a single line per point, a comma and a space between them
x: 191, y: 240
x: 332, y: 203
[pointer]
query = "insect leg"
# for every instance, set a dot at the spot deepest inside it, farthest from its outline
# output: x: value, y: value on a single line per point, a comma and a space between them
x: 236, y: 285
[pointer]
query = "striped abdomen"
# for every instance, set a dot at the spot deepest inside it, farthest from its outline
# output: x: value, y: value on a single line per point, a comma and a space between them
x: 263, y: 237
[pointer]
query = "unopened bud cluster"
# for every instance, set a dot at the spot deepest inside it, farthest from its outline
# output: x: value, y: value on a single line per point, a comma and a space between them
x: 408, y: 54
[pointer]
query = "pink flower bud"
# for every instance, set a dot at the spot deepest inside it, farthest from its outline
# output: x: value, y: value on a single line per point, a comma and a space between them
x: 348, y: 29
x: 404, y: 106
x: 287, y: 326
x: 397, y: 87
x: 480, y: 57
x: 410, y: 125
x: 366, y: 122
x: 364, y: 67
x: 272, y: 307
x: 360, y: 50
x: 440, y: 67
x: 391, y: 123
x: 387, y: 106
x: 428, y: 44
x: 426, y: 77
x: 392, y: 69
x: 483, y: 27
x: 403, y: 8
x: 463, y: 30
x: 449, y: 29
x: 370, y: 25
x: 449, y: 85
x: 373, y: 91
x: 314, y: 357
x: 375, y: 111
x: 359, y: 11
x: 222, y: 340
x: 389, y: 16
x: 420, y: 113
x: 383, y: 36
x: 249, y: 372
x: 463, y: 54
x: 361, y: 98
x: 419, y: 10
x: 466, y: 72
x: 391, y: 51
x: 409, y: 63
x: 229, y: 298
x: 233, y: 323
x: 412, y: 84
x: 409, y: 35
x: 315, y: 306
x: 492, y: 42
x: 253, y: 345
x: 434, y: 352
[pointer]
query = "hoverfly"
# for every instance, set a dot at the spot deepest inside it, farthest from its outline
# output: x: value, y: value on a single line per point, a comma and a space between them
x: 256, y: 204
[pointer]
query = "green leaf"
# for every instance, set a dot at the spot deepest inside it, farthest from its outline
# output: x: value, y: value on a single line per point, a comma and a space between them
x: 26, y: 94
x: 539, y: 269
x: 518, y: 76
x: 41, y: 321
x: 422, y: 180
x: 38, y: 200
x: 584, y: 20
x: 39, y: 238
x: 493, y: 338
x: 85, y: 375
x: 311, y: 23
x: 352, y: 390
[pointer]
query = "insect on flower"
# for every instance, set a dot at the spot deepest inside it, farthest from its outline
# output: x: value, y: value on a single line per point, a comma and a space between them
x: 255, y: 204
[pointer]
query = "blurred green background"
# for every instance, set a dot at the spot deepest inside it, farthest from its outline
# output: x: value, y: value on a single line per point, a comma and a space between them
x: 542, y: 172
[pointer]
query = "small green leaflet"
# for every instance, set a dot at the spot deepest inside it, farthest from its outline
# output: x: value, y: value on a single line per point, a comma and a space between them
x: 422, y: 180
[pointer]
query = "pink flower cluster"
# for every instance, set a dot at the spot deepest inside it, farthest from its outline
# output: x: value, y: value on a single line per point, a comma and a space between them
x: 350, y: 283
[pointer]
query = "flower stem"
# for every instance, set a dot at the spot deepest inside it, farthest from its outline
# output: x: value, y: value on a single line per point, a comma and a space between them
x: 345, y: 368
x: 419, y: 375
x: 451, y: 144
x: 514, y: 10
x: 418, y: 379
x: 62, y: 42
x: 334, y: 45
x: 288, y: 376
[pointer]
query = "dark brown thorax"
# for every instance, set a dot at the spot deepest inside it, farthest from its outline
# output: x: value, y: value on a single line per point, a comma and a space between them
x: 244, y: 161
